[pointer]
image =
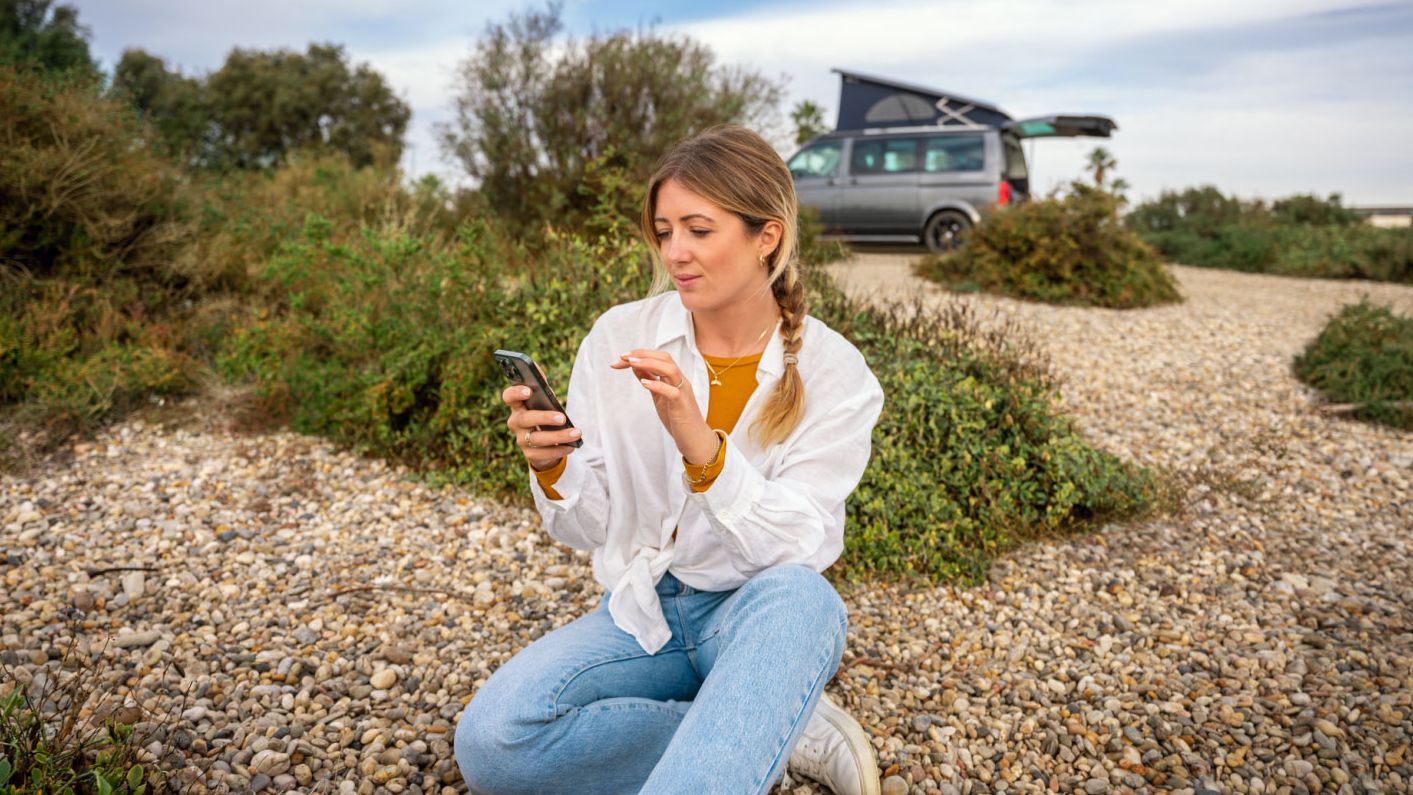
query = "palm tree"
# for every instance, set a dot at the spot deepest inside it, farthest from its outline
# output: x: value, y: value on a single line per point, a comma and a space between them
x: 809, y: 122
x: 1100, y: 161
x: 1117, y: 187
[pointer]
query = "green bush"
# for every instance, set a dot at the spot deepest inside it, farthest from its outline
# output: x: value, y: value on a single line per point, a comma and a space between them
x: 1364, y: 358
x: 60, y: 731
x: 119, y: 272
x: 973, y: 453
x: 91, y: 228
x: 1062, y: 250
x: 78, y: 191
x: 384, y: 341
x: 74, y: 355
x: 1300, y: 235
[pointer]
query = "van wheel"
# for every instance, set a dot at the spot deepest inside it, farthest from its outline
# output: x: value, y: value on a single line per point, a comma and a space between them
x: 946, y: 231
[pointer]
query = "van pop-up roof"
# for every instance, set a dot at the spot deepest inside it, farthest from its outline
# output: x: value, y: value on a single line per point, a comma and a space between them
x: 868, y: 103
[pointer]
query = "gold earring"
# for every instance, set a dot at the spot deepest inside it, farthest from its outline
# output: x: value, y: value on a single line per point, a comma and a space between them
x: 762, y: 260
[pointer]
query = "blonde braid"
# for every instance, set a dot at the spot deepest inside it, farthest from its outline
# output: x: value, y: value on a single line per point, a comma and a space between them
x: 782, y: 412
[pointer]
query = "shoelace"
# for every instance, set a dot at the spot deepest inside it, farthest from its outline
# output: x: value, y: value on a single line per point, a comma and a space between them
x: 812, y: 764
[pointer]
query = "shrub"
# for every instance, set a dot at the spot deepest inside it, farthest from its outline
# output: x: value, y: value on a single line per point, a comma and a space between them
x: 78, y: 192
x: 1063, y: 250
x: 1363, y: 358
x: 1201, y: 211
x: 1306, y: 209
x: 242, y: 218
x: 384, y: 342
x: 119, y: 273
x: 973, y: 453
x: 74, y: 355
x: 1300, y: 235
x: 58, y: 733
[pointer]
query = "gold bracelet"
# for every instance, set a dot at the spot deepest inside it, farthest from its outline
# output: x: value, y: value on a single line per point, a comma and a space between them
x: 720, y: 445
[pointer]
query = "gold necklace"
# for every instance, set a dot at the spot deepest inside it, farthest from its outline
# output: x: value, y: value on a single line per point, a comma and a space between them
x: 716, y: 374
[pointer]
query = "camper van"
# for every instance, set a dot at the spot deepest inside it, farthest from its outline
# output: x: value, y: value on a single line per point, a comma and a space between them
x: 911, y: 164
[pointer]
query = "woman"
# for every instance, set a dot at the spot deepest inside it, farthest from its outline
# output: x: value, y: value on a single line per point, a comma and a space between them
x: 723, y: 428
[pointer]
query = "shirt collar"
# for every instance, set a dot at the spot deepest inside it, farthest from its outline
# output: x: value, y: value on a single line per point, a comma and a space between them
x: 676, y: 323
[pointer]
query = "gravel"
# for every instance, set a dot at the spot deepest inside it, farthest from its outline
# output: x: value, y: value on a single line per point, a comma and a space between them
x: 310, y: 619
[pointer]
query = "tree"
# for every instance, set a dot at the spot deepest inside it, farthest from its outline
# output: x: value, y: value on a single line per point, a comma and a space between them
x: 261, y: 106
x: 1119, y: 188
x: 1100, y: 161
x: 37, y: 34
x: 808, y: 119
x: 268, y: 104
x: 171, y: 103
x: 533, y: 119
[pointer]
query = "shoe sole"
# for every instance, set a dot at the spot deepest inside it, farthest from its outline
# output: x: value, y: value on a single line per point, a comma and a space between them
x: 845, y: 723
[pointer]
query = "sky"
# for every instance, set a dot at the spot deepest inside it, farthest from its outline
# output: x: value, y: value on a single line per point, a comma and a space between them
x: 1262, y: 98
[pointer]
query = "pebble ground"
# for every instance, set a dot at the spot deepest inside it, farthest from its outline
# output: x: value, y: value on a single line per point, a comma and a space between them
x: 282, y: 615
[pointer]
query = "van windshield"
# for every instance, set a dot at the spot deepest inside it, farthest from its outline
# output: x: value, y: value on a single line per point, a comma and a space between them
x: 817, y: 160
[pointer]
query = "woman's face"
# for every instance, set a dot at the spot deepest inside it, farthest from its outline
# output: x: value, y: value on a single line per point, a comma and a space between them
x: 710, y: 253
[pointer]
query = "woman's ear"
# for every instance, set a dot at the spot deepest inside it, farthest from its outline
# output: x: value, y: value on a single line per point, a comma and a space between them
x: 770, y: 237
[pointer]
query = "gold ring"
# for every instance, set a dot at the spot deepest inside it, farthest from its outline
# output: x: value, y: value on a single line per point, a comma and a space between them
x: 679, y: 384
x: 527, y: 439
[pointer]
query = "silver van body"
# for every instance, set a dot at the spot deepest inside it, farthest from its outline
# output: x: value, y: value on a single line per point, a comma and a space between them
x: 888, y: 186
x: 907, y: 163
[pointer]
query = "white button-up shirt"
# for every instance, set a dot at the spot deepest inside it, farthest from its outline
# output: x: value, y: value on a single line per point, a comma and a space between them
x: 624, y: 491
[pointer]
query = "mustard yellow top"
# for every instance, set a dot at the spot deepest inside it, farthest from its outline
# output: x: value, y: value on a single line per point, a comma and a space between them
x: 724, y: 405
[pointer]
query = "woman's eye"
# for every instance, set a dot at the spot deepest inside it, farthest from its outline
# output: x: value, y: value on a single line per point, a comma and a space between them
x: 662, y: 234
x: 701, y: 232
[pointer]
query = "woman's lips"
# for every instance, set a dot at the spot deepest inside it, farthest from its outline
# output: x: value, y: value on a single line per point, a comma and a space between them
x: 683, y: 281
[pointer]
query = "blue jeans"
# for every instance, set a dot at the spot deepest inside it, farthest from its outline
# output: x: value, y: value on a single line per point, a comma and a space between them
x: 718, y: 709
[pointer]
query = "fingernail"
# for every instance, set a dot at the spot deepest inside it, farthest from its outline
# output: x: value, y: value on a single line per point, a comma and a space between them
x: 574, y: 432
x: 633, y: 359
x: 559, y: 418
x: 644, y: 380
x: 525, y: 392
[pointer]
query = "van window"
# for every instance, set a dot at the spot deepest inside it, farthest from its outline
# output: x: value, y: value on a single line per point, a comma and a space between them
x: 884, y: 156
x: 955, y: 153
x: 817, y: 160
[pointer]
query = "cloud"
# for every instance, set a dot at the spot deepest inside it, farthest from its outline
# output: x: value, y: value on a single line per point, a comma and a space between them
x: 197, y: 36
x: 1262, y: 97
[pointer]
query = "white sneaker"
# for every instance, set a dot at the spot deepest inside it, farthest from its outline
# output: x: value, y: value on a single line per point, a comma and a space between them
x: 834, y: 751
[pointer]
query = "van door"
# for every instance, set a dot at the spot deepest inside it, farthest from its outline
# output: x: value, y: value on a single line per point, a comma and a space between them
x: 880, y: 193
x: 1062, y: 125
x: 816, y: 171
x: 955, y: 170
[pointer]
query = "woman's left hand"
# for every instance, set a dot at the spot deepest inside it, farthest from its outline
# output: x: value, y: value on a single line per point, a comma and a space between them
x: 676, y: 406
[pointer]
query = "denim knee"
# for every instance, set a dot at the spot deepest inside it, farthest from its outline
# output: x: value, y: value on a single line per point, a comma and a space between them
x: 485, y: 747
x: 806, y: 591
x: 471, y: 747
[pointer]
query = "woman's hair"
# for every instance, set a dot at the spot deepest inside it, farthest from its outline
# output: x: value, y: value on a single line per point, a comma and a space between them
x: 735, y: 168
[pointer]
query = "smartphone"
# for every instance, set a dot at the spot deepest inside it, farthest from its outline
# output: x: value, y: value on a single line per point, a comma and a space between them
x: 521, y: 369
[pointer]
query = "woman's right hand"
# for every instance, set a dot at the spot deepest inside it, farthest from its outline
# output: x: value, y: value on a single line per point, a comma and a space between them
x: 545, y: 448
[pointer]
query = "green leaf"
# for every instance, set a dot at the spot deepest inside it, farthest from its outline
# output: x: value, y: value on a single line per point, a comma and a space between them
x: 135, y: 777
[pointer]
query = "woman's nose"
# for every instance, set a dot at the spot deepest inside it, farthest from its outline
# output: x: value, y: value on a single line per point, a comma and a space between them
x: 676, y: 251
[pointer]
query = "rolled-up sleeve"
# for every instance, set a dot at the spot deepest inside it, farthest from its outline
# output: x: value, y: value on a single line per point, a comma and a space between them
x: 787, y: 518
x: 580, y: 516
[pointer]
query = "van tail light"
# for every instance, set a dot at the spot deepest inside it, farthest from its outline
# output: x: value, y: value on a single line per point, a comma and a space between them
x: 1003, y: 193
